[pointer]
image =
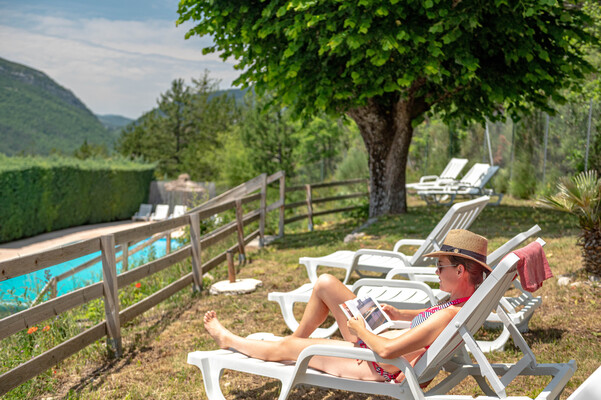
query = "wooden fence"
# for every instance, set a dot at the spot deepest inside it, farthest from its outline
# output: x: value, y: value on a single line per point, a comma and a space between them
x: 109, y: 245
x: 310, y: 201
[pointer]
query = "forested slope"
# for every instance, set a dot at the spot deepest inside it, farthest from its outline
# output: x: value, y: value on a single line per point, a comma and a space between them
x: 38, y: 115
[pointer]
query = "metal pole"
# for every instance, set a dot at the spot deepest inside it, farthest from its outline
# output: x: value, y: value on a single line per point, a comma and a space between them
x: 588, y: 134
x: 489, y: 146
x: 512, y: 149
x: 546, y: 141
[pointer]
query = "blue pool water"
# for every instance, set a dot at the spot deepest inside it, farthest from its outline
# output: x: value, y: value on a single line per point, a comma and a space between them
x: 25, y: 288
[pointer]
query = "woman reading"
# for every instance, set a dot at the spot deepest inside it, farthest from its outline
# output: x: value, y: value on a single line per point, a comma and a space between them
x: 461, y: 268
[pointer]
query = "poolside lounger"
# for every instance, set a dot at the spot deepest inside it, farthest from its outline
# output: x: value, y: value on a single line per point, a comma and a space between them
x: 160, y: 213
x: 448, y: 351
x: 446, y: 177
x: 416, y: 294
x: 590, y: 388
x: 471, y: 185
x: 460, y: 216
x: 143, y: 213
x: 178, y: 211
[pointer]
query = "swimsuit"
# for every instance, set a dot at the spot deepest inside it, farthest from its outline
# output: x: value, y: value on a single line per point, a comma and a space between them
x: 419, y: 319
x: 424, y: 315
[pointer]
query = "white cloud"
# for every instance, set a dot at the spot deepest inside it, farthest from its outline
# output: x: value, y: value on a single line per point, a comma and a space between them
x: 114, y: 67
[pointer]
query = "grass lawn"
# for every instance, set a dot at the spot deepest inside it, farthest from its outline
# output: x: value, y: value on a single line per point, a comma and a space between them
x: 156, y: 345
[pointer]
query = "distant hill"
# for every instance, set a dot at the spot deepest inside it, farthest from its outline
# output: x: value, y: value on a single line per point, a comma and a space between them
x: 114, y: 122
x: 237, y: 94
x: 38, y: 115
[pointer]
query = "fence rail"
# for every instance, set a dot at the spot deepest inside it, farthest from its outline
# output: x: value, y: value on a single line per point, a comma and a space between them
x: 310, y: 201
x: 110, y: 245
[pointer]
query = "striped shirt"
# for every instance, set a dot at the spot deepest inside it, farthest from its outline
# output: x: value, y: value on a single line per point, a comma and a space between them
x: 424, y: 315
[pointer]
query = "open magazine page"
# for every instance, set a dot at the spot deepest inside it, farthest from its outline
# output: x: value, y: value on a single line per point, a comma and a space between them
x: 376, y: 320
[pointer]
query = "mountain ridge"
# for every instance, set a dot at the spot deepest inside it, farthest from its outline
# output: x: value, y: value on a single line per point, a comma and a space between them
x: 39, y: 116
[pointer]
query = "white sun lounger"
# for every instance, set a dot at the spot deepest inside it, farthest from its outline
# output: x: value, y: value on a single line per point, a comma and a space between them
x: 447, y: 176
x: 471, y: 185
x: 178, y: 211
x: 590, y: 388
x: 143, y: 213
x: 449, y: 343
x: 460, y: 216
x: 160, y: 213
x: 415, y: 294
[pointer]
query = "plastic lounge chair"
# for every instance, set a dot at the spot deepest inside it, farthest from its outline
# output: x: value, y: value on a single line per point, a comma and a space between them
x: 459, y: 332
x: 178, y: 211
x: 446, y: 177
x: 143, y: 213
x: 460, y: 216
x: 471, y: 185
x: 160, y: 213
x: 590, y: 388
x: 416, y: 294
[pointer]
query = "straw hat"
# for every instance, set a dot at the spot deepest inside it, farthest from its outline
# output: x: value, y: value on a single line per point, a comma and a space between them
x: 465, y: 244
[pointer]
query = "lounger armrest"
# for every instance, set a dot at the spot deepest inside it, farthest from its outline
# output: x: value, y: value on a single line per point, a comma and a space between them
x: 407, y: 242
x: 384, y: 253
x: 428, y: 178
x: 397, y: 284
x: 411, y: 271
x: 352, y: 353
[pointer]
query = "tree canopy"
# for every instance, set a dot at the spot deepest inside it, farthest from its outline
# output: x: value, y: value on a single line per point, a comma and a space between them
x: 465, y: 57
x: 182, y: 133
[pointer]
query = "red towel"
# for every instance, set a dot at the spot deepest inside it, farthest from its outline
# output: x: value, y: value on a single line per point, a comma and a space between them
x: 533, y: 267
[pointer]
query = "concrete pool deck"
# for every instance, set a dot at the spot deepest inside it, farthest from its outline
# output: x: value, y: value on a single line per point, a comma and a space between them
x: 50, y: 240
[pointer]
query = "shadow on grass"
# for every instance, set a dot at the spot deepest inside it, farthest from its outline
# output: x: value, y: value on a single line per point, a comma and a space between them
x: 547, y: 335
x: 316, y: 238
x: 94, y: 379
x: 272, y: 390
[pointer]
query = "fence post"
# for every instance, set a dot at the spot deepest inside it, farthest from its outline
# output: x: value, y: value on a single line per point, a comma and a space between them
x: 588, y: 134
x: 168, y: 243
x: 309, y: 207
x: 283, y: 204
x: 263, y: 210
x: 231, y: 271
x: 240, y: 229
x: 196, y: 250
x: 111, y: 297
x: 125, y: 255
x: 546, y: 141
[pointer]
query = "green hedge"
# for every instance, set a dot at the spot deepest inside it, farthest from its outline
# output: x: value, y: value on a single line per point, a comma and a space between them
x: 45, y: 194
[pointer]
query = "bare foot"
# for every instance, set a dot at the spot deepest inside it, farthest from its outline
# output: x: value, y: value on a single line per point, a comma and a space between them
x: 216, y: 330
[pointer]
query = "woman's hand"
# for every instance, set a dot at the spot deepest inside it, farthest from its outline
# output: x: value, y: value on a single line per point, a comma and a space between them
x: 392, y: 312
x: 355, y: 324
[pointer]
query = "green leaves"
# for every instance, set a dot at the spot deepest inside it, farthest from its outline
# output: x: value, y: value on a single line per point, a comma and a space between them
x: 308, y: 51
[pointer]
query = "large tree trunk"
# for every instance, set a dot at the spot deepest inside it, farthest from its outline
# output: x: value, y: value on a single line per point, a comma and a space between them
x: 387, y: 132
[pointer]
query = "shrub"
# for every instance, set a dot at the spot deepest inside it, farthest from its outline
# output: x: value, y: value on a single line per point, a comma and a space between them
x: 581, y: 196
x: 45, y: 194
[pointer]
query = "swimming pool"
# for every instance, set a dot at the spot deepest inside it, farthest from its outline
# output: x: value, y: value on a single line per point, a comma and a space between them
x: 19, y: 292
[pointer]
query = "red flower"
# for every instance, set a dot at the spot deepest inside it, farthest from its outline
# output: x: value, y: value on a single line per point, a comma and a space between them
x: 46, y: 328
x: 32, y: 330
x: 138, y: 285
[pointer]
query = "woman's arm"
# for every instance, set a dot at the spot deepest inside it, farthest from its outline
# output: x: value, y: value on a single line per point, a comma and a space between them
x: 411, y: 340
x: 400, y: 315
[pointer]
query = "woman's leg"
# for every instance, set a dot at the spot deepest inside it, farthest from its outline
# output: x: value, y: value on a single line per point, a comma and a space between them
x: 328, y: 293
x: 288, y: 349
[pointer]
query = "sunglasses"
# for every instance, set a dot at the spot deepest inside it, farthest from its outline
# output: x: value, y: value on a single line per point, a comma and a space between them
x: 440, y: 267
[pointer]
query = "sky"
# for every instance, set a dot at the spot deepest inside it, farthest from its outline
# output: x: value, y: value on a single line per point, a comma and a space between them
x: 115, y: 56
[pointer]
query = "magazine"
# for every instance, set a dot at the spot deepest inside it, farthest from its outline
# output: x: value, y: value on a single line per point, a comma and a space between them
x: 376, y: 320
